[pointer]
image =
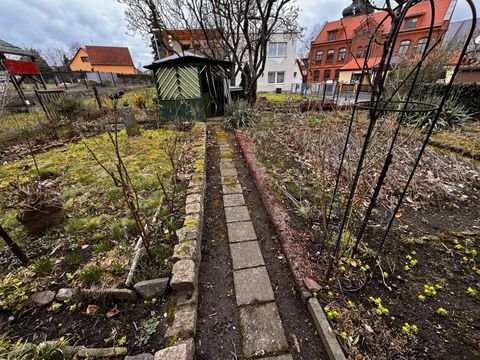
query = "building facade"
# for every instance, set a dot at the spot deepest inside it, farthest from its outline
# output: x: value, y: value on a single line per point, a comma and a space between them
x: 339, y: 50
x: 281, y: 69
x: 103, y: 59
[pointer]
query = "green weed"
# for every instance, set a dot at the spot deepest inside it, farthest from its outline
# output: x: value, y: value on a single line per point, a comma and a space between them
x: 90, y: 275
x: 43, y: 266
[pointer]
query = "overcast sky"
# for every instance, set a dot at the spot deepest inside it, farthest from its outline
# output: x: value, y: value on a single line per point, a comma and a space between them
x: 45, y: 24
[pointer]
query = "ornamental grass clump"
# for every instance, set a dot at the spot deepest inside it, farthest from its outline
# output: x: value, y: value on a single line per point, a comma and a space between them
x: 239, y: 114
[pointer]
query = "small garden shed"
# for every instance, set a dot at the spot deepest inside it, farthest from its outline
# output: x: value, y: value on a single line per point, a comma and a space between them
x: 191, y: 87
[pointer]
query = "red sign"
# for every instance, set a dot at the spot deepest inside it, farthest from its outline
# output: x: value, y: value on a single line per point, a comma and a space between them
x: 17, y: 67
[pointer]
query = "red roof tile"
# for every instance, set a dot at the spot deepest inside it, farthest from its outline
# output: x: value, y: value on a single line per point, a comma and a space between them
x: 349, y: 24
x: 109, y: 55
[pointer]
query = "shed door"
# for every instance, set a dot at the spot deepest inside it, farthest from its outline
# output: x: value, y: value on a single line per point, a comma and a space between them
x: 178, y: 83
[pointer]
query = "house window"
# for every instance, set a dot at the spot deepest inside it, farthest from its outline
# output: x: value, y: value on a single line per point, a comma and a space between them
x: 326, y: 75
x: 277, y: 49
x: 355, y: 79
x: 341, y: 54
x: 411, y: 23
x: 319, y: 56
x: 337, y: 74
x: 316, y: 75
x: 421, y: 45
x: 404, y: 46
x: 359, y: 52
x: 330, y: 54
x: 185, y: 47
x: 294, y: 74
x: 84, y: 58
x: 332, y: 35
x: 276, y: 77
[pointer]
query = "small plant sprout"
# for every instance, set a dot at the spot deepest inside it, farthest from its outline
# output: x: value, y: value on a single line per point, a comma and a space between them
x: 332, y: 315
x: 72, y: 307
x: 343, y: 335
x: 422, y: 298
x: 380, y: 309
x: 330, y: 294
x: 122, y: 340
x: 56, y: 306
x: 411, y: 262
x: 69, y: 276
x: 472, y: 292
x: 409, y: 330
x: 364, y: 268
x: 442, y: 312
x: 431, y: 290
x: 350, y: 304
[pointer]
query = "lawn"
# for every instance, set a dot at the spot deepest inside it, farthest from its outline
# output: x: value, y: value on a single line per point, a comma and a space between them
x: 418, y: 297
x: 94, y: 246
x: 284, y: 96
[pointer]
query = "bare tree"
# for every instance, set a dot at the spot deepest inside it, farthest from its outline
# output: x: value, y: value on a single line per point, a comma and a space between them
x: 238, y: 31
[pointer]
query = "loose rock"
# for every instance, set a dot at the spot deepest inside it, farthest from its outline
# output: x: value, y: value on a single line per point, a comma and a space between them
x: 311, y: 285
x: 64, y: 294
x: 150, y: 289
x: 43, y: 298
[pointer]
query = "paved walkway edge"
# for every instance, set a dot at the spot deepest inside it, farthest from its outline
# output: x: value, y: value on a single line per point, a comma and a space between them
x: 187, y: 257
x: 279, y: 217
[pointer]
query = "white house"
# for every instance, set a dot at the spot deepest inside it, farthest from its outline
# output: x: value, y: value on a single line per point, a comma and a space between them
x: 280, y: 67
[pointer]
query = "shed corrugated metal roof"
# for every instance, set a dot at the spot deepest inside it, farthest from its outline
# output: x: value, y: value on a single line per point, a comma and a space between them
x: 7, y: 48
x: 186, y: 57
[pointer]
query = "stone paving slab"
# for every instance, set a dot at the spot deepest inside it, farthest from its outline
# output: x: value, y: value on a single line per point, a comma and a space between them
x: 228, y: 171
x: 280, y: 357
x: 237, y: 213
x: 232, y: 189
x: 246, y: 254
x: 252, y: 286
x: 261, y: 330
x: 241, y: 231
x: 229, y: 180
x: 233, y: 200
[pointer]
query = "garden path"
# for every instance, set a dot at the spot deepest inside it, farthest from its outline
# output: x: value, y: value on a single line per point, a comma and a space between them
x: 248, y: 306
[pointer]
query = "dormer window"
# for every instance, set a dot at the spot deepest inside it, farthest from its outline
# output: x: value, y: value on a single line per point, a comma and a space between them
x: 411, y: 23
x: 332, y: 35
x: 84, y: 58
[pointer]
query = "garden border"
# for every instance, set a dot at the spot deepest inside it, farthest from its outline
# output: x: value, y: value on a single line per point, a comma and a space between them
x: 287, y: 234
x: 182, y: 314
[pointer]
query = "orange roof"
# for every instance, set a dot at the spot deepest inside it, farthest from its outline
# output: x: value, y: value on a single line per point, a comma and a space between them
x: 109, y: 55
x: 349, y: 24
x: 357, y: 64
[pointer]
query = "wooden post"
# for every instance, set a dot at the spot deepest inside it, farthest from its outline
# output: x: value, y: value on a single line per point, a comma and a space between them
x: 14, y: 247
x: 63, y: 81
x: 84, y: 76
x: 324, y: 93
x: 97, y: 97
x: 100, y: 78
x: 113, y: 79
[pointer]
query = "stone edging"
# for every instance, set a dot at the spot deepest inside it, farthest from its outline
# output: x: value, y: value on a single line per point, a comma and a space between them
x: 286, y: 233
x: 187, y: 256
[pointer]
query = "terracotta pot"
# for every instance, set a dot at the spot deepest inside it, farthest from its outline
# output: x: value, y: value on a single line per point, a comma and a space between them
x: 36, y: 221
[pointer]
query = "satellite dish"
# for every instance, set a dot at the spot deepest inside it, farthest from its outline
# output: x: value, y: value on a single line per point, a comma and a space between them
x: 477, y: 40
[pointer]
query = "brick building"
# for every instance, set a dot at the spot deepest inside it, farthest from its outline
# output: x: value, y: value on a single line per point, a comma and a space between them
x: 338, y: 52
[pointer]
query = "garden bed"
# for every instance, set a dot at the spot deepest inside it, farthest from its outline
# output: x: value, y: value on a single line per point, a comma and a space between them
x: 92, y: 251
x: 429, y: 263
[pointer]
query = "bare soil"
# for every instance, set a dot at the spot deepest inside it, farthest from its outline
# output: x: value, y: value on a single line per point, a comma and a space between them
x: 218, y: 335
x: 442, y: 235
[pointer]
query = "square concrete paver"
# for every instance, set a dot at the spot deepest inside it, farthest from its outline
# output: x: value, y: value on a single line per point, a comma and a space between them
x: 246, y: 254
x: 232, y: 188
x: 252, y: 286
x: 241, y: 231
x: 237, y: 213
x: 229, y: 180
x: 261, y: 330
x: 233, y: 200
x: 279, y: 357
x: 228, y: 171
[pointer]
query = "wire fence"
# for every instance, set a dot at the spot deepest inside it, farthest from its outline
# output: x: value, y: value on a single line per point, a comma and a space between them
x: 339, y: 93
